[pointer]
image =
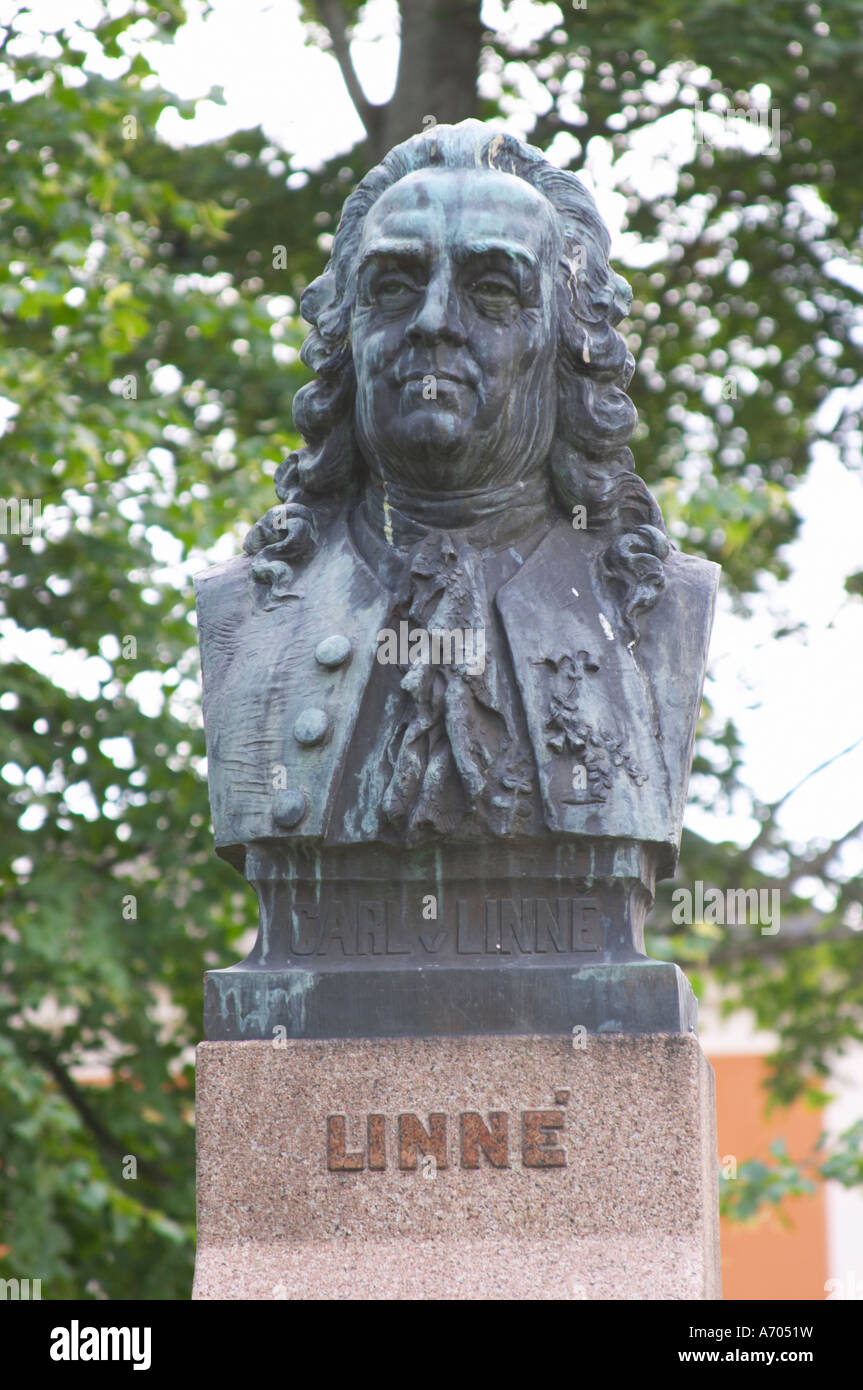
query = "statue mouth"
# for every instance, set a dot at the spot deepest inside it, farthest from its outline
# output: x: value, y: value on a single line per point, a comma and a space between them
x: 436, y: 374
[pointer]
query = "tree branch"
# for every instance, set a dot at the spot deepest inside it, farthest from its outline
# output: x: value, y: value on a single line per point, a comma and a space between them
x: 818, y: 863
x: 761, y: 837
x: 67, y: 1086
x: 332, y: 17
x: 777, y: 945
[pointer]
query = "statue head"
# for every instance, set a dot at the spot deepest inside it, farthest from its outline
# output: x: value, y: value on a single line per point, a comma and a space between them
x: 453, y: 331
x: 464, y: 338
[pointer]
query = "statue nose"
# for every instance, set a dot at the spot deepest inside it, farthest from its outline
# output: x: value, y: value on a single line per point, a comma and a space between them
x: 439, y: 316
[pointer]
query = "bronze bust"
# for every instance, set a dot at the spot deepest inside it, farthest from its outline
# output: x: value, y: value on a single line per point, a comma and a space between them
x: 451, y: 689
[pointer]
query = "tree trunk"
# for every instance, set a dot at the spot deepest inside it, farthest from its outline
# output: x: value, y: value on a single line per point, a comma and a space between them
x: 438, y: 64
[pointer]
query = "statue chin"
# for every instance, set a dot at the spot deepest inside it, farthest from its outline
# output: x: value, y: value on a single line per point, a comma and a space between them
x: 439, y: 452
x: 430, y: 453
x: 426, y: 434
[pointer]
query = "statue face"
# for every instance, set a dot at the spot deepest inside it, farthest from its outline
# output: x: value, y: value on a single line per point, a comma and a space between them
x: 453, y: 331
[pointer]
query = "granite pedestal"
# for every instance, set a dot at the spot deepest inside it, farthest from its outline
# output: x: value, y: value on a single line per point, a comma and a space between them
x: 497, y: 1167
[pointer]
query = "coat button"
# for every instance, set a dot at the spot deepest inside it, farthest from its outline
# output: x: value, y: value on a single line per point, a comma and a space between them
x: 311, y: 727
x: 289, y: 807
x: 333, y: 651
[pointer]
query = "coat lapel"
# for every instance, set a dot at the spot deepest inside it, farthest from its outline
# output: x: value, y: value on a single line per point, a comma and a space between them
x: 611, y: 728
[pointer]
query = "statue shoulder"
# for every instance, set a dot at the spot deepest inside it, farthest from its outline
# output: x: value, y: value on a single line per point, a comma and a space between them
x: 675, y: 637
x: 691, y: 585
x: 222, y: 595
x: 223, y: 607
x: 221, y: 581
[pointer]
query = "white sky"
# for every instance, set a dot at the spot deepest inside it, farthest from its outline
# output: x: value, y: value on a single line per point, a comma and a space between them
x: 798, y: 701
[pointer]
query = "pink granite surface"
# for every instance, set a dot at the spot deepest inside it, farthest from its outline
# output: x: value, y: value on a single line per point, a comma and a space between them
x: 631, y: 1214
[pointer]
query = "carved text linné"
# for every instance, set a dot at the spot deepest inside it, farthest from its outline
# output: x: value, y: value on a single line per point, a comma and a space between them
x: 530, y: 1138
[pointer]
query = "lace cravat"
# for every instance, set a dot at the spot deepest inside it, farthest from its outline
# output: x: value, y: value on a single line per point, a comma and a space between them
x: 455, y: 752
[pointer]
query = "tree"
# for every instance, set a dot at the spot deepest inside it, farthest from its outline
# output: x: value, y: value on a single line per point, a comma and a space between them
x: 441, y: 45
x: 148, y: 299
x: 150, y: 406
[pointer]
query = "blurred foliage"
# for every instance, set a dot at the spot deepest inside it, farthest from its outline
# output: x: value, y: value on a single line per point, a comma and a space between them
x: 149, y: 343
x: 757, y: 1186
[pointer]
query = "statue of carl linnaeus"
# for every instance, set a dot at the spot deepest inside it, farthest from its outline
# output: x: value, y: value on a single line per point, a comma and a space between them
x: 466, y: 489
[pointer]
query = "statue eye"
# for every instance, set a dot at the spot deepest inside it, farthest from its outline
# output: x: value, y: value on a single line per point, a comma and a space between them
x: 497, y: 293
x: 393, y: 288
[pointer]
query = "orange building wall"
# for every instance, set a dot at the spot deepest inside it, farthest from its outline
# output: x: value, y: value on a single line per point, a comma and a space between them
x: 768, y: 1260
